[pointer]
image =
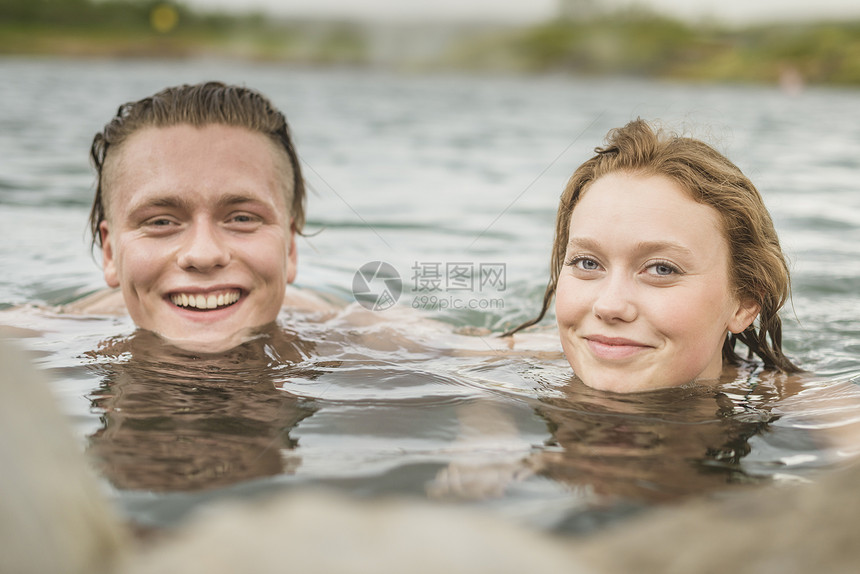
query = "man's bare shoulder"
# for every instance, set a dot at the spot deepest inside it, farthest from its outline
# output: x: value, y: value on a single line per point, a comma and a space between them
x: 103, y: 302
x: 307, y: 301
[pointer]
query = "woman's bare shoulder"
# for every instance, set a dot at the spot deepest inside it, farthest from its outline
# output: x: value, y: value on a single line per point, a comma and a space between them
x: 535, y: 343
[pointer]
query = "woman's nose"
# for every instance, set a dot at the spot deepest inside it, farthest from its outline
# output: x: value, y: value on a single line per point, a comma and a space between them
x: 203, y: 248
x: 615, y: 300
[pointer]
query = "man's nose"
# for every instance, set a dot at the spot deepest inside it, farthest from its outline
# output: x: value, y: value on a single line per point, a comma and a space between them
x: 203, y: 248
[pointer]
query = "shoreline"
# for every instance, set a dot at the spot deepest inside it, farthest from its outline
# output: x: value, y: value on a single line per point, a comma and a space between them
x: 791, y: 56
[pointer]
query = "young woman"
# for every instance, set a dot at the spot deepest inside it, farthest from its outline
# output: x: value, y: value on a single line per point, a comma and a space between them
x: 664, y: 258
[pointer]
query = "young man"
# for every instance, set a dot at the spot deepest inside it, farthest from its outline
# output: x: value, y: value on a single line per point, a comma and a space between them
x: 198, y: 202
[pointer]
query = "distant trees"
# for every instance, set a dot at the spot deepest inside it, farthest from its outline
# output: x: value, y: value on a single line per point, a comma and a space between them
x: 74, y: 13
x: 577, y: 9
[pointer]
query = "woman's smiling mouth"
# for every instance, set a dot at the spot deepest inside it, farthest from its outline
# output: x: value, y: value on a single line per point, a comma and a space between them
x: 206, y: 302
x: 610, y: 348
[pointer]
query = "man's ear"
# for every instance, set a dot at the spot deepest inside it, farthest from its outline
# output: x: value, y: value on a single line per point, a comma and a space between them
x: 292, y: 254
x: 108, y: 260
x: 748, y: 309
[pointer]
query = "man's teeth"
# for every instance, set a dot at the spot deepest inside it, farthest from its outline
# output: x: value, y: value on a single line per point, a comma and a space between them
x: 200, y: 301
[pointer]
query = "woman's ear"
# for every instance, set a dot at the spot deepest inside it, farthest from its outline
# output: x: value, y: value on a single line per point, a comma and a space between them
x: 746, y: 312
x: 292, y: 254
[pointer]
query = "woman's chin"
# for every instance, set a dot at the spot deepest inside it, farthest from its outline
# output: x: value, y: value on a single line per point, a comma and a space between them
x: 615, y: 386
x: 615, y: 382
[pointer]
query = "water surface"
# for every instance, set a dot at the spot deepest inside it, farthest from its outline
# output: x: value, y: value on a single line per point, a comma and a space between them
x: 426, y: 173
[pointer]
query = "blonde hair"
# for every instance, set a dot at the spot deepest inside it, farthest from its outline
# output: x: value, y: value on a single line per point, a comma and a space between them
x: 758, y: 269
x: 197, y: 105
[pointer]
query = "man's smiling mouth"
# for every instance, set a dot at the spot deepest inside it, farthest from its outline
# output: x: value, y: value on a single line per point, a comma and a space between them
x: 203, y: 302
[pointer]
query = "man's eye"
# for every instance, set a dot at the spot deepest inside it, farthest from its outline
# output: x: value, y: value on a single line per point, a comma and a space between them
x: 160, y: 222
x: 243, y: 218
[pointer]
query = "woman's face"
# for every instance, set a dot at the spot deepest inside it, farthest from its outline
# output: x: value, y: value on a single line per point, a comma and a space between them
x: 644, y: 299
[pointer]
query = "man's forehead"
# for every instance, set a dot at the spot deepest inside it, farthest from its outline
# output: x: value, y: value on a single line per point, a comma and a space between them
x: 159, y: 144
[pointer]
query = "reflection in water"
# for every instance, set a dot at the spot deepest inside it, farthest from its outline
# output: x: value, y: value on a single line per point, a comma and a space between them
x: 179, y: 421
x: 602, y: 456
x: 652, y: 447
x: 507, y: 432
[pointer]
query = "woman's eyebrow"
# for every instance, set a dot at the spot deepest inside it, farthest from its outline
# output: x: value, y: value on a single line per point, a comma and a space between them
x: 652, y: 246
x: 590, y: 244
x: 583, y: 243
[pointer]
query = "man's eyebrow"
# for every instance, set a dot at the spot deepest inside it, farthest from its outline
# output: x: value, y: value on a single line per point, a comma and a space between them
x: 166, y: 201
x: 178, y: 202
x: 237, y: 198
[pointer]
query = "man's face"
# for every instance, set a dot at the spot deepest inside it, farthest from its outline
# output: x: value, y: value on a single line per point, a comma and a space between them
x: 198, y: 236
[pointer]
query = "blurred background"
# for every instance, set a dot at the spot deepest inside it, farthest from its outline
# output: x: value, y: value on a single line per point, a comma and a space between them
x: 793, y: 42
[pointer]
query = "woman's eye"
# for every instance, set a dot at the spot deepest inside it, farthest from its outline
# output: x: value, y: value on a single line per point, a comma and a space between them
x: 663, y: 269
x: 585, y: 264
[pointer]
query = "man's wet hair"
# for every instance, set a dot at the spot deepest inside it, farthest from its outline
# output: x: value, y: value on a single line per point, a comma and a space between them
x: 196, y: 105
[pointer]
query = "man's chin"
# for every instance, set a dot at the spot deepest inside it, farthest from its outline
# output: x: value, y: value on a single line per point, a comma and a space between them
x: 211, y: 342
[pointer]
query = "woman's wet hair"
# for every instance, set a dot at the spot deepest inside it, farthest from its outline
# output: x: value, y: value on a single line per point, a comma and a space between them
x: 196, y: 105
x: 758, y: 269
